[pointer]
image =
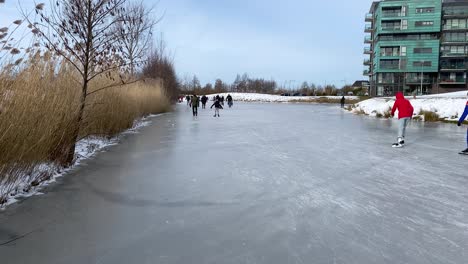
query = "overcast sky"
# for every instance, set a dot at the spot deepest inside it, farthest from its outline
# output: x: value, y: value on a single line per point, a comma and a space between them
x: 294, y: 40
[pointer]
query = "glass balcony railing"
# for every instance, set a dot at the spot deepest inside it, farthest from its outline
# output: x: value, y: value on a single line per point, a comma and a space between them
x: 391, y: 28
x: 460, y: 66
x: 368, y: 28
x: 367, y: 39
x: 365, y: 72
x: 455, y: 12
x: 396, y: 13
x: 454, y: 40
x: 453, y: 80
x: 450, y: 27
x: 418, y: 80
x: 369, y: 17
x: 390, y: 67
x: 367, y: 62
x: 453, y: 54
x: 367, y: 50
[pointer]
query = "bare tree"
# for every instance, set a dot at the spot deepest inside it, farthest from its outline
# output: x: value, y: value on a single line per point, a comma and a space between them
x: 80, y: 31
x: 136, y: 32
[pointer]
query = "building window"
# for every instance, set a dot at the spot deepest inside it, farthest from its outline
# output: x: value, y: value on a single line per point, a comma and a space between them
x: 422, y: 64
x: 422, y: 50
x: 453, y: 50
x: 404, y: 24
x: 455, y: 24
x: 389, y: 51
x: 390, y: 64
x: 425, y: 10
x: 403, y: 51
x: 424, y: 23
x: 455, y: 37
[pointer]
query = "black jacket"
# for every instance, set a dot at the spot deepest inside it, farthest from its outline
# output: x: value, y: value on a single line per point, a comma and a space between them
x: 217, y: 104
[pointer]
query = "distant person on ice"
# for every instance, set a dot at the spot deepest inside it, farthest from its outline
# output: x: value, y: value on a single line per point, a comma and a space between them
x: 187, y: 98
x: 204, y: 99
x: 229, y: 100
x: 343, y: 100
x: 405, y: 113
x: 460, y: 122
x: 195, y: 102
x: 217, y: 105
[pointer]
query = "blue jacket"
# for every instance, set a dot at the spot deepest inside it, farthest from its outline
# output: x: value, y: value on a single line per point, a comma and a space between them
x: 465, y: 114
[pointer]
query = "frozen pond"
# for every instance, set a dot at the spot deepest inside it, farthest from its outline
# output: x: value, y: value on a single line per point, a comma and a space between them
x: 264, y: 183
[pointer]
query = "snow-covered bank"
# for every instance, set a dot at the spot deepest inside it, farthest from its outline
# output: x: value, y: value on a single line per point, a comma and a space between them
x: 42, y: 175
x: 256, y: 97
x: 447, y: 106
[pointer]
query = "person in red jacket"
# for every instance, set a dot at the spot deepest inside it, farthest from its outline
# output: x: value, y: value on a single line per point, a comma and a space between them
x: 405, y: 113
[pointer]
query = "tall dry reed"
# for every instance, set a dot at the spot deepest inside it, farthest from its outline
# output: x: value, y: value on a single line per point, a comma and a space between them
x: 38, y: 107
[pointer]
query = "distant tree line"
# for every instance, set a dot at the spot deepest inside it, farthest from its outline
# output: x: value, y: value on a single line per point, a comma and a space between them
x: 245, y: 84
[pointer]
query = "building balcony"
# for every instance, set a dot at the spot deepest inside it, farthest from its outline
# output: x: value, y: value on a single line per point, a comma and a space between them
x: 454, y: 67
x: 369, y: 17
x: 458, y: 80
x: 453, y: 54
x: 392, y: 14
x: 418, y: 80
x: 366, y: 72
x: 392, y: 28
x: 367, y: 62
x: 368, y: 28
x: 455, y: 13
x: 454, y: 41
x: 390, y: 67
x: 367, y: 50
x: 368, y: 39
x: 454, y: 28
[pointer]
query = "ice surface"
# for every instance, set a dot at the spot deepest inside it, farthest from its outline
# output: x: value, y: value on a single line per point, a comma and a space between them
x: 264, y: 183
x: 85, y: 149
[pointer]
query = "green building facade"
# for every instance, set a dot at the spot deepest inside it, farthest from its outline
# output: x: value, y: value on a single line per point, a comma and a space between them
x: 404, y: 43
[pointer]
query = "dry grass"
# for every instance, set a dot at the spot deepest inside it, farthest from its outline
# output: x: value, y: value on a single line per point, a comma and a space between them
x: 38, y: 108
x: 430, y: 116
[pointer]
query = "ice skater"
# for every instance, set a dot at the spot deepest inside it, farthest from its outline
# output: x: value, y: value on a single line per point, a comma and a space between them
x: 405, y: 113
x: 195, y: 103
x: 460, y: 122
x: 187, y: 98
x: 342, y: 101
x: 229, y: 100
x: 204, y: 99
x: 217, y: 105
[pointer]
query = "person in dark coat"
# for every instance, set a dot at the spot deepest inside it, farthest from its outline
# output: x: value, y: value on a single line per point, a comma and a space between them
x: 194, y: 103
x: 217, y: 105
x: 204, y: 99
x: 343, y: 100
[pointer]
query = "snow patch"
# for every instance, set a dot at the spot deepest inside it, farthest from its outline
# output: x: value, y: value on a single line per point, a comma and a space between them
x: 448, y: 106
x: 256, y: 97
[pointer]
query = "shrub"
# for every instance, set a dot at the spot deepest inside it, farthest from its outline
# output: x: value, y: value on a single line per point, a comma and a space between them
x: 430, y: 116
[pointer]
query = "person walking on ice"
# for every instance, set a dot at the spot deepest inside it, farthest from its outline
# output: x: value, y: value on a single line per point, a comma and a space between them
x: 342, y: 101
x: 405, y: 113
x: 195, y: 103
x: 217, y: 105
x: 460, y: 122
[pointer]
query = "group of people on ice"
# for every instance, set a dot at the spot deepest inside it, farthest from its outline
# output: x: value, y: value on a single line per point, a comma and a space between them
x: 218, y: 103
x: 405, y: 113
